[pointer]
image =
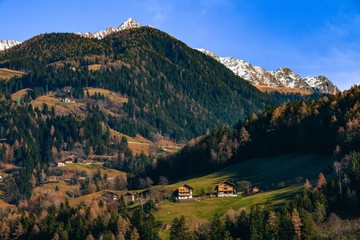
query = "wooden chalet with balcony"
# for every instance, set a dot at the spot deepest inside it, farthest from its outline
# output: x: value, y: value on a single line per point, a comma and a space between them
x: 225, y: 189
x: 183, y: 192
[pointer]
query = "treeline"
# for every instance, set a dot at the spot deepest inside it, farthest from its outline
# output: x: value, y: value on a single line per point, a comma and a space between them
x: 100, y: 220
x: 330, y: 125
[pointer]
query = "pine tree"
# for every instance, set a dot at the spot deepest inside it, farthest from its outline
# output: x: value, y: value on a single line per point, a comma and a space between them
x: 217, y: 228
x: 178, y: 230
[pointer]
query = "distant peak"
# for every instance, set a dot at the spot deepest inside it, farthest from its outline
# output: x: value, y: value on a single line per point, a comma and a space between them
x: 6, y: 44
x: 129, y: 24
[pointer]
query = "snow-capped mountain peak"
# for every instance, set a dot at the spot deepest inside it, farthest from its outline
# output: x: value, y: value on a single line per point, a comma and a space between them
x: 290, y: 79
x: 281, y: 78
x: 321, y: 84
x: 6, y: 44
x: 128, y: 24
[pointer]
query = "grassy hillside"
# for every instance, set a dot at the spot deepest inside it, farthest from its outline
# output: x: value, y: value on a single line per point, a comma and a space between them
x: 111, y: 95
x: 6, y: 73
x: 266, y: 173
x: 202, y: 210
x: 279, y: 178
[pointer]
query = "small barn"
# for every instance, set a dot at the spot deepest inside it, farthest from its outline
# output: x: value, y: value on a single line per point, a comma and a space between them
x: 129, y: 197
x: 60, y: 164
x: 225, y: 189
x: 255, y: 190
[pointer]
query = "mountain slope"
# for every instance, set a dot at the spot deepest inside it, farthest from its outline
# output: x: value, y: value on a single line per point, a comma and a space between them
x: 326, y: 126
x: 281, y: 78
x: 172, y: 88
x: 6, y: 44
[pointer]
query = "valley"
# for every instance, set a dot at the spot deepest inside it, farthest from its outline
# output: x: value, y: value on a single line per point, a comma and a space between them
x: 129, y: 133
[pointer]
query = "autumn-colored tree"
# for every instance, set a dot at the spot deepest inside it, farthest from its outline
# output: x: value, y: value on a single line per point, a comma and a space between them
x: 321, y: 182
x: 307, y: 185
x: 296, y: 222
x: 134, y: 234
x: 90, y: 237
x: 4, y: 231
x: 244, y: 136
x: 56, y: 236
x: 52, y: 130
x: 272, y: 226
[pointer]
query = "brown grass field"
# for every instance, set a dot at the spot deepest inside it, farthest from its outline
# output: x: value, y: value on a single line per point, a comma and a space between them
x: 113, y: 96
x: 49, y: 195
x: 6, y: 73
x: 140, y: 144
x: 20, y: 93
x: 94, y: 67
x: 50, y: 101
x: 281, y: 90
x: 91, y: 170
x: 61, y: 108
x: 89, y: 198
x: 137, y: 145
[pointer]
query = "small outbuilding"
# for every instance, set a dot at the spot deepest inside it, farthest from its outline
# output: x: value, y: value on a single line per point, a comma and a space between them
x: 255, y: 190
x: 60, y: 164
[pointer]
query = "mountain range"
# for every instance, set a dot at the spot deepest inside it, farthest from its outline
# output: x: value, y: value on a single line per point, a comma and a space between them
x: 283, y: 78
x: 279, y: 79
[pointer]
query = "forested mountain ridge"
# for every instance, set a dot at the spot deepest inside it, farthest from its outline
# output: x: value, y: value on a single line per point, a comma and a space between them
x: 330, y: 125
x: 172, y: 88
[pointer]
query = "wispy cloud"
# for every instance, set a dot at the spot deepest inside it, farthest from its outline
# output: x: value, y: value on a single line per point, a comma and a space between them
x: 160, y: 11
x: 206, y: 5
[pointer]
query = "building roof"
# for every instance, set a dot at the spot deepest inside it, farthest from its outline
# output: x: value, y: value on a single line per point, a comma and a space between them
x: 226, y: 182
x: 186, y: 186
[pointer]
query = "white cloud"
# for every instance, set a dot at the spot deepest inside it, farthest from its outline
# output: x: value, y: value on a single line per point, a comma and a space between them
x: 159, y: 10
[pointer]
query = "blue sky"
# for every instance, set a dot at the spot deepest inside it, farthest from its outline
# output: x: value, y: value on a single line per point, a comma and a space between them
x: 312, y: 37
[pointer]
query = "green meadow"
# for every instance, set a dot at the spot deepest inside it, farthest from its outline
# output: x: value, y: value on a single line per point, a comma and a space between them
x: 279, y: 179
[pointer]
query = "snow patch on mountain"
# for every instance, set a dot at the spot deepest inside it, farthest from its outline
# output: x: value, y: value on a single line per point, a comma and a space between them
x: 281, y: 78
x: 128, y: 24
x: 321, y: 84
x: 290, y: 79
x: 6, y: 44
